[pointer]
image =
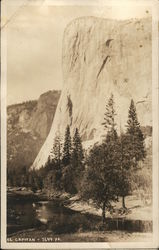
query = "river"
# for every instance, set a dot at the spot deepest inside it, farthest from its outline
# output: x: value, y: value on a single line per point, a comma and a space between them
x: 50, y: 215
x: 54, y: 216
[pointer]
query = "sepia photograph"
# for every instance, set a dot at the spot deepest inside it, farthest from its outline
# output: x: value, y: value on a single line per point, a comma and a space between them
x: 79, y: 124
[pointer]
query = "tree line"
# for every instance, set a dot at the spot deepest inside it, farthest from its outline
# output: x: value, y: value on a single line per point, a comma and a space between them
x: 102, y: 174
x: 112, y: 164
x: 65, y: 163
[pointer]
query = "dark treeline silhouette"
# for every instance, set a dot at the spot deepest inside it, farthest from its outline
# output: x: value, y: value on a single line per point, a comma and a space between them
x: 28, y: 104
x: 66, y: 162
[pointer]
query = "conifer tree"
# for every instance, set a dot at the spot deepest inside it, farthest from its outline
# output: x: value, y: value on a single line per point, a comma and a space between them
x: 117, y: 155
x: 57, y: 150
x: 67, y: 148
x: 100, y: 182
x: 111, y: 141
x: 109, y: 116
x: 99, y: 179
x: 135, y: 138
x: 77, y: 150
x: 131, y: 151
x: 77, y: 161
x: 124, y: 173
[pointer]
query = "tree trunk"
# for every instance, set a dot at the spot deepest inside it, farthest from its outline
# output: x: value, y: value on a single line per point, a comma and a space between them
x: 123, y: 202
x: 103, y: 212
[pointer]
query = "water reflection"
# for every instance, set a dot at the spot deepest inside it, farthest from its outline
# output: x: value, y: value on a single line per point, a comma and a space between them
x: 42, y: 211
x: 21, y: 215
x: 52, y: 215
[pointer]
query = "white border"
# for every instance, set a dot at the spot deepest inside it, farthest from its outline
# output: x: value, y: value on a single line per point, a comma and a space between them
x: 155, y: 116
x: 3, y: 128
x: 155, y: 243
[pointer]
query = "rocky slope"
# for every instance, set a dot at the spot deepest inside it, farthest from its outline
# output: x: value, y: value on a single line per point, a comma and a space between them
x: 101, y: 57
x: 28, y: 125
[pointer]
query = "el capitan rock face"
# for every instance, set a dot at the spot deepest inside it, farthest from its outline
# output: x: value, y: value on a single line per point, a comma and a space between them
x: 101, y: 57
x: 28, y: 125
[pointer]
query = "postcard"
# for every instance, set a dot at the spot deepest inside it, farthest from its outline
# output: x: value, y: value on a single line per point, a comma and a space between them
x: 79, y: 124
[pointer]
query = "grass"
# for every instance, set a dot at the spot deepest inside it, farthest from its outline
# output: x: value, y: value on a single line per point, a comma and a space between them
x: 137, y: 209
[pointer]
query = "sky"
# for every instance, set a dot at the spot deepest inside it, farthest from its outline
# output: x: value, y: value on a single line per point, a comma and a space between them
x: 34, y: 31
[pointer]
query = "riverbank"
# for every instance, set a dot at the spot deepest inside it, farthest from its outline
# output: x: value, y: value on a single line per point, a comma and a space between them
x: 95, y: 236
x: 68, y: 218
x: 26, y: 195
x: 136, y: 208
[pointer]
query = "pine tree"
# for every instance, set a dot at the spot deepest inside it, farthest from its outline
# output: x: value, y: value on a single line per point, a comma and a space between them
x: 132, y: 150
x: 124, y: 172
x: 77, y: 150
x: 135, y: 138
x: 111, y: 141
x: 102, y: 172
x: 77, y: 161
x: 99, y: 179
x: 117, y: 155
x: 109, y: 116
x: 57, y: 150
x: 67, y: 148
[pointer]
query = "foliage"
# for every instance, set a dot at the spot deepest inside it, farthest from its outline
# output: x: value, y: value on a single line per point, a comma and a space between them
x: 61, y: 176
x: 123, y: 184
x: 57, y: 150
x: 67, y: 148
x: 100, y: 183
x: 109, y: 115
x: 135, y: 138
x: 131, y: 148
x: 67, y: 179
x: 77, y: 150
x: 77, y: 161
x: 52, y: 180
x: 111, y: 169
x: 101, y: 175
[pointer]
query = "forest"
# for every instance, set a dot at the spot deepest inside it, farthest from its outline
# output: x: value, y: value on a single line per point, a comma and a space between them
x: 104, y: 173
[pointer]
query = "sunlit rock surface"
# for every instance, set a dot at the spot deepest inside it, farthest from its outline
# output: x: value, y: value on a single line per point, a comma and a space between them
x: 100, y: 57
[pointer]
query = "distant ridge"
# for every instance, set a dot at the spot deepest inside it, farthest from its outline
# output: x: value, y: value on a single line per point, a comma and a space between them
x: 28, y: 125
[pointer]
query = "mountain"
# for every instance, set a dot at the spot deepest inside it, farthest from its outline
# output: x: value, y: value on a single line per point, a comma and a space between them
x: 100, y: 57
x: 28, y: 125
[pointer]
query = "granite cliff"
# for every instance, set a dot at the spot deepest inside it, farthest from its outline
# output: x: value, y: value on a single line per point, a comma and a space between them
x: 28, y: 125
x: 101, y: 57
